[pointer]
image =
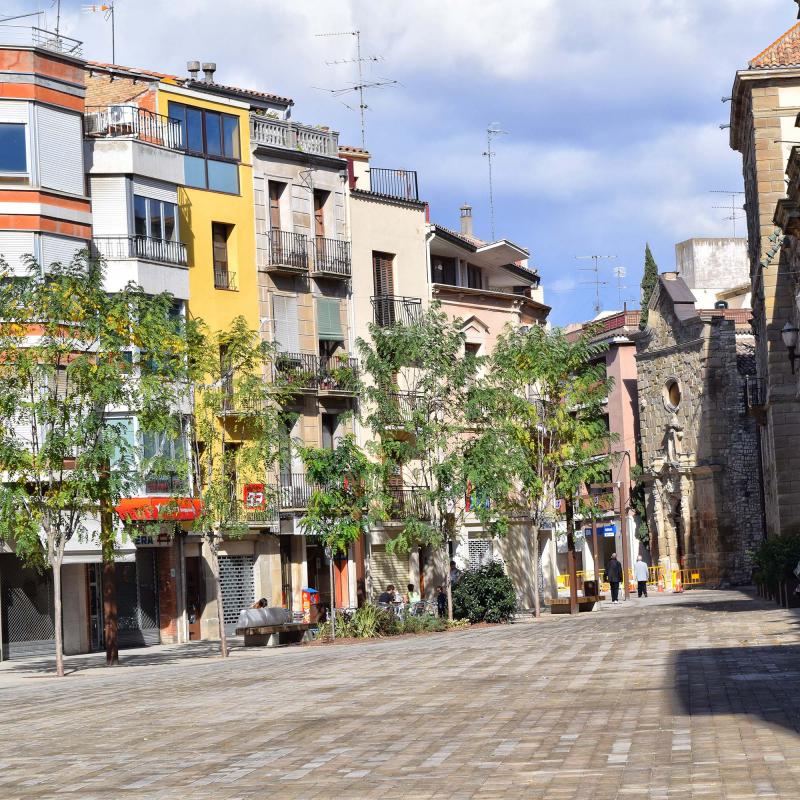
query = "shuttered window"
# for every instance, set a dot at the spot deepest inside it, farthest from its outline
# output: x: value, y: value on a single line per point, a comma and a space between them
x: 329, y: 320
x: 284, y: 313
x: 60, y: 141
x: 388, y: 568
x: 382, y: 273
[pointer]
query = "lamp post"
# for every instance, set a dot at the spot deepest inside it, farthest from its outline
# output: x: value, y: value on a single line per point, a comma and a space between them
x: 789, y: 334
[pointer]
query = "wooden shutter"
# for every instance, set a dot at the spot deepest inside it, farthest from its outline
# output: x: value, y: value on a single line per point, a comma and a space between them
x: 275, y: 191
x: 382, y: 273
x: 319, y: 213
x: 329, y: 320
x: 219, y: 235
x: 284, y: 313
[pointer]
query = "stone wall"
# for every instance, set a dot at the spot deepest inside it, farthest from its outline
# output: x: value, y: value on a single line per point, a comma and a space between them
x: 700, y: 455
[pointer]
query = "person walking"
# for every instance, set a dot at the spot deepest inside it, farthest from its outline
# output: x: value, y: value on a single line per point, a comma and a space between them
x: 614, y: 576
x: 641, y: 573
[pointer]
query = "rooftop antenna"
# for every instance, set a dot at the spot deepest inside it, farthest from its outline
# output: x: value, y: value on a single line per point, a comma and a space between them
x: 596, y: 281
x: 619, y: 274
x: 492, y: 131
x: 360, y: 85
x: 733, y: 208
x: 108, y: 10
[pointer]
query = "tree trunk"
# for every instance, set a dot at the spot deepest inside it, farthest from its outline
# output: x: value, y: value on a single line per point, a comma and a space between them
x: 223, y: 639
x: 110, y: 611
x: 58, y: 557
x: 595, y: 552
x: 537, y: 611
x: 573, y: 577
x: 110, y: 619
x: 448, y: 584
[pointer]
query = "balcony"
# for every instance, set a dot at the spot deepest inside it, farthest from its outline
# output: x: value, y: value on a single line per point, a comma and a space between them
x: 331, y: 258
x: 132, y: 122
x: 115, y: 248
x: 224, y: 279
x: 399, y: 408
x: 165, y: 485
x: 309, y: 372
x: 755, y: 395
x: 287, y: 253
x: 390, y: 310
x: 407, y: 502
x: 398, y: 183
x: 288, y: 135
x: 293, y: 491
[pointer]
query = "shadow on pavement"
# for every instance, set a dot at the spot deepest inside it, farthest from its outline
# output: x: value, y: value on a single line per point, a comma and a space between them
x: 762, y: 681
x: 139, y: 657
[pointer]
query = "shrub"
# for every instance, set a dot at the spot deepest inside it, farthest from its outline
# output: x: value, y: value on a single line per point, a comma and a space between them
x: 485, y: 594
x: 776, y: 558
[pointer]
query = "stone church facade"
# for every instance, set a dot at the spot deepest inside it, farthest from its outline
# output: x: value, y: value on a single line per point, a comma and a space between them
x: 700, y: 449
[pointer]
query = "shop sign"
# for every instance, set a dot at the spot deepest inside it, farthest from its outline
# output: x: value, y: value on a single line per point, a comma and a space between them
x: 255, y: 497
x: 158, y: 509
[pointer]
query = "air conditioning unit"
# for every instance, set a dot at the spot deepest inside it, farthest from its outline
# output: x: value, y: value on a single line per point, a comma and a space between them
x: 121, y: 115
x: 524, y: 329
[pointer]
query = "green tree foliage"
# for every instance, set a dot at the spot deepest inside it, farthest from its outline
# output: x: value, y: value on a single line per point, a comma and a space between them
x: 649, y: 282
x: 347, y: 496
x: 418, y: 397
x: 485, y: 594
x: 74, y: 359
x: 540, y: 428
x: 236, y: 425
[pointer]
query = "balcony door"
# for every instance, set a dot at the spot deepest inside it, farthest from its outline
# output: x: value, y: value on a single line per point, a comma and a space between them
x: 383, y: 283
x: 284, y: 315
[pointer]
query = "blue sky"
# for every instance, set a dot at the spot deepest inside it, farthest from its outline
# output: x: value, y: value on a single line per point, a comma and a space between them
x: 612, y: 108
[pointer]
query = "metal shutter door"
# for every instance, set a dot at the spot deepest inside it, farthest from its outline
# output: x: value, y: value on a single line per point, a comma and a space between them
x: 26, y: 604
x: 14, y: 246
x: 137, y: 600
x: 284, y: 312
x: 238, y: 590
x: 60, y: 137
x: 388, y: 568
x: 480, y: 552
x: 59, y: 249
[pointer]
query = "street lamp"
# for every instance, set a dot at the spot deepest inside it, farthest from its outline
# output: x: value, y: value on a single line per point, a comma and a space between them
x: 789, y: 335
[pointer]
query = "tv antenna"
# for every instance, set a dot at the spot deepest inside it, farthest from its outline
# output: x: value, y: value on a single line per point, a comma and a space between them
x: 596, y: 281
x: 107, y: 9
x: 733, y: 208
x: 493, y: 130
x: 360, y: 85
x: 619, y: 274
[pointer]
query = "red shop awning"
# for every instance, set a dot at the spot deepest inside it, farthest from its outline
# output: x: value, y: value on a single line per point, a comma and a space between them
x: 156, y: 509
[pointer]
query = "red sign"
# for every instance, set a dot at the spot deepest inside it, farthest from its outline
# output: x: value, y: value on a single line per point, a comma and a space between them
x: 255, y: 497
x: 156, y: 509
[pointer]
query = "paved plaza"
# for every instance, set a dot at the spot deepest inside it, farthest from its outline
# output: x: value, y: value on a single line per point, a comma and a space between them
x: 693, y: 696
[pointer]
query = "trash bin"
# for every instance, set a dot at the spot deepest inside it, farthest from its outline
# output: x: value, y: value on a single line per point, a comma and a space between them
x: 310, y: 601
x: 590, y: 589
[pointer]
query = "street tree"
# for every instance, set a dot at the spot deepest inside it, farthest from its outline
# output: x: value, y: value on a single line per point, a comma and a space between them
x: 347, y: 495
x: 77, y: 362
x: 541, y: 432
x: 235, y: 427
x: 417, y: 394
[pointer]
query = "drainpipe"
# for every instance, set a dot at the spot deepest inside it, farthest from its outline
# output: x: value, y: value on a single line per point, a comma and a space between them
x: 429, y: 234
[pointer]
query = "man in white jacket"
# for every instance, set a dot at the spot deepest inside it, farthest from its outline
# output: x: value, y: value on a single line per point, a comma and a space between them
x: 640, y: 573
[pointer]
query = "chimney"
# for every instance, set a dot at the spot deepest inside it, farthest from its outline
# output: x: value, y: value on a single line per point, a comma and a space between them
x: 209, y: 68
x: 194, y: 68
x: 466, y: 219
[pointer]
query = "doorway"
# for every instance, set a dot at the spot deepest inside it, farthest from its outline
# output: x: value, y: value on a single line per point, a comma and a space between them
x: 195, y: 596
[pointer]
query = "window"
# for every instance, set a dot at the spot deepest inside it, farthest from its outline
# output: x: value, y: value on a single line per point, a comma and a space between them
x: 330, y: 423
x: 672, y: 395
x: 444, y: 271
x: 473, y: 277
x: 275, y: 192
x: 13, y: 154
x: 320, y: 198
x: 329, y: 319
x: 212, y: 145
x: 154, y: 218
x: 164, y: 463
x: 220, y: 233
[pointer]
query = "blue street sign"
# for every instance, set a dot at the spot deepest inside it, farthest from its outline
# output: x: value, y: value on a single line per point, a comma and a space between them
x: 609, y: 531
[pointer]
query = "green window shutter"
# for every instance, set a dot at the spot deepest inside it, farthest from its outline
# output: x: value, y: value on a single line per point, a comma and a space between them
x: 329, y: 321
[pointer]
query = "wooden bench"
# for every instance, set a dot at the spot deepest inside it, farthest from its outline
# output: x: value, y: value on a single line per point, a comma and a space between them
x: 274, y: 635
x: 560, y: 605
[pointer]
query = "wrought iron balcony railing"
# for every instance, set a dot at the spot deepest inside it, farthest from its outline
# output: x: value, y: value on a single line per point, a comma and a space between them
x: 293, y: 491
x: 133, y: 122
x: 287, y: 252
x: 307, y: 371
x: 407, y: 501
x: 755, y: 393
x: 114, y: 248
x: 332, y: 257
x: 399, y: 183
x: 391, y: 309
x: 224, y: 279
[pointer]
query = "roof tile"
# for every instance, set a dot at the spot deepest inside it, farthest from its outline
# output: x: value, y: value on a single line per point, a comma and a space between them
x: 783, y: 52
